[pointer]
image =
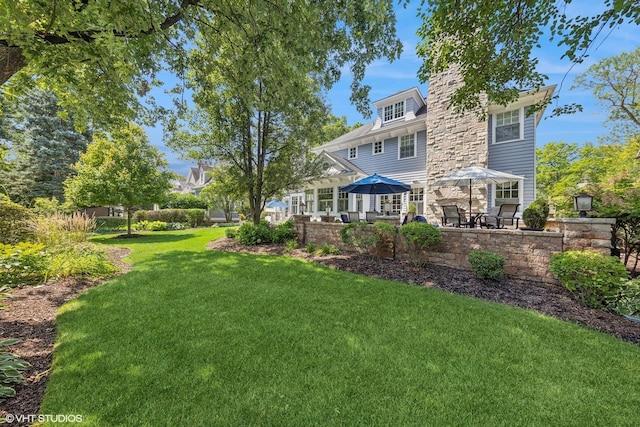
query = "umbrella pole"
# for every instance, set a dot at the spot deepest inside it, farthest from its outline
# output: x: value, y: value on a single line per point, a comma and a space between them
x: 470, y: 202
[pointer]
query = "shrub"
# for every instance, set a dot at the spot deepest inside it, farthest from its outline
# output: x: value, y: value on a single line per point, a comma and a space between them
x: 15, y: 223
x: 536, y: 214
x: 290, y: 245
x: 250, y: 234
x: 185, y: 201
x: 421, y: 234
x: 111, y: 223
x: 310, y: 248
x: 627, y: 299
x: 359, y: 235
x: 151, y: 226
x: 230, y: 233
x: 175, y: 226
x: 22, y: 264
x: 327, y: 249
x: 283, y: 232
x: 61, y: 229
x: 485, y: 264
x: 195, y: 217
x: 592, y: 277
x: 11, y: 368
x: 80, y: 260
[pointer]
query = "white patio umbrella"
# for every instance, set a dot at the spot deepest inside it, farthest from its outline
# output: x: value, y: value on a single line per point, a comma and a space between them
x: 476, y: 175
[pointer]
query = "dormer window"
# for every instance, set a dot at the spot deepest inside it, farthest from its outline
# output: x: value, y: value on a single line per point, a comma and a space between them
x: 353, y: 152
x: 394, y: 111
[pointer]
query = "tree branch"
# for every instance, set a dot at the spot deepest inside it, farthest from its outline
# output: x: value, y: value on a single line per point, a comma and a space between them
x: 89, y: 36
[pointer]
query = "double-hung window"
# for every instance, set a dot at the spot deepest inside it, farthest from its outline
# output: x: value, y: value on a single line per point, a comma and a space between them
x: 407, y: 146
x: 508, y: 126
x: 508, y: 192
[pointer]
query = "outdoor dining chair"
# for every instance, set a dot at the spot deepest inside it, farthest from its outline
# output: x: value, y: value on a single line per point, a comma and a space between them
x: 354, y: 216
x: 453, y: 216
x: 371, y: 216
x: 502, y: 215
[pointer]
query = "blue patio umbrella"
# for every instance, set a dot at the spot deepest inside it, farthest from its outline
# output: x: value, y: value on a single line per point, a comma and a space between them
x: 276, y: 204
x: 376, y: 184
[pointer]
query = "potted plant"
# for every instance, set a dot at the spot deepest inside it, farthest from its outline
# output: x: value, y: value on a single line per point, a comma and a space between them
x: 535, y: 215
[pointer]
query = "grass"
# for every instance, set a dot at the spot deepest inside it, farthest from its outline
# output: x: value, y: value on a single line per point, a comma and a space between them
x: 192, y: 337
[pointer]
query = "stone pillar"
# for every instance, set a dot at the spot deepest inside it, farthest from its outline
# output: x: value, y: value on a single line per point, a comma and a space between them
x: 299, y: 225
x: 454, y: 141
x: 586, y: 234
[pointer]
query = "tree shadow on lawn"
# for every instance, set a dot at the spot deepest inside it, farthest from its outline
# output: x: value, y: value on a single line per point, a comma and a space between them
x: 142, y: 238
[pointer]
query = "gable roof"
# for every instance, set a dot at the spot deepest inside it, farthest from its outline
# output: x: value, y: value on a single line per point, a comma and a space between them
x: 414, y: 93
x: 336, y: 165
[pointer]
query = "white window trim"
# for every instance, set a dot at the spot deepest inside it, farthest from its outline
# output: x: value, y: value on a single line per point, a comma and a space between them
x: 415, y: 147
x: 349, y: 153
x: 520, y: 195
x: 393, y: 111
x: 373, y: 148
x: 495, y: 122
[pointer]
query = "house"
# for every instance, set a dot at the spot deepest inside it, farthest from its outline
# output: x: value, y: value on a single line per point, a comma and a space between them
x: 196, y: 179
x: 417, y: 140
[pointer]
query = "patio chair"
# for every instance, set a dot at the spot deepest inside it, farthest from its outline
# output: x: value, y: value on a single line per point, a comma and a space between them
x: 345, y: 218
x: 454, y: 217
x: 409, y: 217
x: 371, y: 216
x: 354, y: 216
x: 500, y: 216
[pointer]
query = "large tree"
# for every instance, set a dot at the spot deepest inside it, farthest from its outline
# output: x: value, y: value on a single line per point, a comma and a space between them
x: 99, y: 56
x: 44, y: 146
x: 121, y: 169
x: 493, y: 41
x: 256, y: 75
x: 615, y: 83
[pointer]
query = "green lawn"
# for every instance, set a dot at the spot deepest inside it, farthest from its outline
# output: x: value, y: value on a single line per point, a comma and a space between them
x: 197, y: 338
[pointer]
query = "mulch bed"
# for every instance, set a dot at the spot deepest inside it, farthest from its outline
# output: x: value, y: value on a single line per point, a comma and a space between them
x: 30, y: 315
x: 31, y: 311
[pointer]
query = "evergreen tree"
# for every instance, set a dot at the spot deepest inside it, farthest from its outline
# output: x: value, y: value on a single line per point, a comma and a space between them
x: 44, y: 147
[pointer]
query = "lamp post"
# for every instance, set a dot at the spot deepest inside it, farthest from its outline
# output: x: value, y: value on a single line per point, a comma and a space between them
x: 302, y: 206
x: 328, y: 210
x: 582, y: 203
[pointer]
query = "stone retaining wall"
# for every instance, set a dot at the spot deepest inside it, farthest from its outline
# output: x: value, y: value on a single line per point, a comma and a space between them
x: 526, y: 253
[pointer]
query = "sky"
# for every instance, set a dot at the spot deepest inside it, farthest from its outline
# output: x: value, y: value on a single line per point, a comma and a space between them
x: 388, y: 78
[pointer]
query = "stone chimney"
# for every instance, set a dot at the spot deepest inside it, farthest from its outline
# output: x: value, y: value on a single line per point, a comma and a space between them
x: 454, y: 141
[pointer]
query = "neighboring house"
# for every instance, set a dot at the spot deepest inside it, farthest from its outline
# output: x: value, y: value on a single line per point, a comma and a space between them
x: 416, y: 141
x: 197, y: 178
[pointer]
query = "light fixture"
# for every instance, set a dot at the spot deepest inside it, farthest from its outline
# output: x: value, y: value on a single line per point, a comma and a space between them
x: 582, y: 203
x: 302, y: 206
x: 328, y: 210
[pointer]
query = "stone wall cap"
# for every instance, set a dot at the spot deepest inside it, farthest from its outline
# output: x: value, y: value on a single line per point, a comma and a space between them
x: 585, y: 220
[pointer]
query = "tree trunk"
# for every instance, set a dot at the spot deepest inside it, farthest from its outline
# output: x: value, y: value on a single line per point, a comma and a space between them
x: 128, y: 221
x: 11, y: 61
